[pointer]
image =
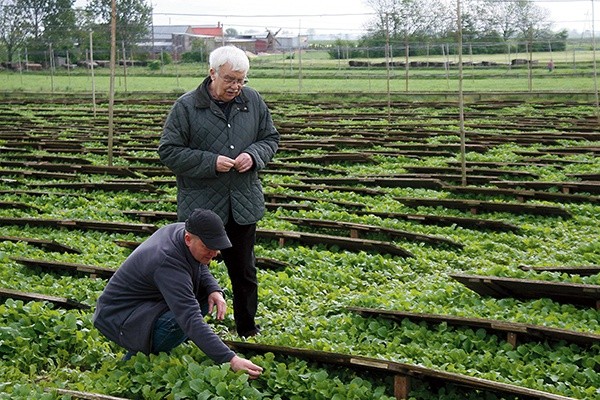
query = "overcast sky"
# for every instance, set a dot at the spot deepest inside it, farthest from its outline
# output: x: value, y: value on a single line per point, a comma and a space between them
x: 325, y: 16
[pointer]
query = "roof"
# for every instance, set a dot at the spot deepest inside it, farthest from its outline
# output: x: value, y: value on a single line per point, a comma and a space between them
x: 207, y: 30
x: 169, y: 29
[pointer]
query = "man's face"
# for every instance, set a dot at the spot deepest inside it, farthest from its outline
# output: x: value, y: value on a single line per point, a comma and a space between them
x: 199, y: 251
x: 226, y: 83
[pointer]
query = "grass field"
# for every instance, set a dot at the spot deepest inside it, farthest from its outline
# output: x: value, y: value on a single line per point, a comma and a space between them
x: 315, y: 72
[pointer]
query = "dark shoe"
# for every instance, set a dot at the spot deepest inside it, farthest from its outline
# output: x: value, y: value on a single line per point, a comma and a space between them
x: 251, y: 332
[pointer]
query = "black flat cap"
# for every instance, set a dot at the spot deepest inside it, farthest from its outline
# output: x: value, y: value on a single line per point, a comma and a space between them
x: 209, y: 228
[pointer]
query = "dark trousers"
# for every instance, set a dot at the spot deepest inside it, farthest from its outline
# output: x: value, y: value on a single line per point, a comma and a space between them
x: 241, y: 267
x: 167, y: 334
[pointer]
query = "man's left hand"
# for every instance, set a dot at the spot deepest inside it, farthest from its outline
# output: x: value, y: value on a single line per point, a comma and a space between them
x: 243, y: 163
x: 215, y: 299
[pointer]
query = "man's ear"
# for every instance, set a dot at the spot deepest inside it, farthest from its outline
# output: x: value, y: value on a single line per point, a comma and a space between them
x: 187, y: 237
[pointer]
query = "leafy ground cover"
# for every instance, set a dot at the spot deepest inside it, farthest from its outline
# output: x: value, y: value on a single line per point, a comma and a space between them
x: 305, y: 304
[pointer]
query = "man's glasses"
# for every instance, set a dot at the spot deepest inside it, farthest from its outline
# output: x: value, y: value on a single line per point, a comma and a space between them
x: 230, y: 80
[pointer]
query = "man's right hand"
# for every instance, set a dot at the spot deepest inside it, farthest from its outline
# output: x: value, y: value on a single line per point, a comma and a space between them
x: 224, y: 164
x: 241, y: 364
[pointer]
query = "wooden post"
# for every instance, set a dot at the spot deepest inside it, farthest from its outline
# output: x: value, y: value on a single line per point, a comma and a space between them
x: 401, y: 386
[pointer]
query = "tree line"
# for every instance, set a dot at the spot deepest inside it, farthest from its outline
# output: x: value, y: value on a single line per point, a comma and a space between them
x: 30, y: 29
x: 430, y: 27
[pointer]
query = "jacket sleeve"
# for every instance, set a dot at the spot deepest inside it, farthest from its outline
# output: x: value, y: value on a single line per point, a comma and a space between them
x: 174, y: 147
x: 177, y: 288
x: 264, y: 148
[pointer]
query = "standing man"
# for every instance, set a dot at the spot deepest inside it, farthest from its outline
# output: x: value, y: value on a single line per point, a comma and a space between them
x: 215, y: 139
x: 156, y: 300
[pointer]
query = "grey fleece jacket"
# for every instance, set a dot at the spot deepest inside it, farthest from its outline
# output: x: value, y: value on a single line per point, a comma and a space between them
x: 159, y: 275
x: 197, y: 131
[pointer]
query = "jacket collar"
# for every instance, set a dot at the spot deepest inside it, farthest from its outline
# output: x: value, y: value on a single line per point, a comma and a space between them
x: 203, y: 99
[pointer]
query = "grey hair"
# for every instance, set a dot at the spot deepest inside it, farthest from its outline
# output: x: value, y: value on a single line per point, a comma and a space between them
x: 236, y: 57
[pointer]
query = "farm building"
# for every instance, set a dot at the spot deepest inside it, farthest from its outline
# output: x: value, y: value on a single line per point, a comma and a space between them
x: 179, y: 38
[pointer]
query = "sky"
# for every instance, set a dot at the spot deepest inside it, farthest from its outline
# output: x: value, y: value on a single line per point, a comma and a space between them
x: 327, y: 16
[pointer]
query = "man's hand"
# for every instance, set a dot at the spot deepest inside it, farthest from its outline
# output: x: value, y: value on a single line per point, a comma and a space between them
x: 243, y: 163
x: 215, y: 299
x: 224, y: 163
x: 241, y: 364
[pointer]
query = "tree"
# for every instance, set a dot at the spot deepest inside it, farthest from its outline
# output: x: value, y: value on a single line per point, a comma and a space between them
x: 231, y: 32
x: 51, y: 22
x: 13, y: 27
x: 36, y: 24
x: 410, y: 21
x: 133, y: 18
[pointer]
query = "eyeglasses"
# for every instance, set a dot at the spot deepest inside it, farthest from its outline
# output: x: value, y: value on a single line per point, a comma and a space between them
x: 229, y: 80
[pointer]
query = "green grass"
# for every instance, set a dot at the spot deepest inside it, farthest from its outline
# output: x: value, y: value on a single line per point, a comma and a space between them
x: 10, y: 81
x: 314, y: 72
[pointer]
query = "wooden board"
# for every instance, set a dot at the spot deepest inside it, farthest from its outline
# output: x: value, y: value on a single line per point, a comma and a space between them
x: 345, y: 243
x: 27, y: 296
x: 81, y: 224
x: 477, y: 206
x: 565, y: 187
x: 395, y: 368
x: 525, y: 289
x: 584, y: 270
x: 512, y: 329
x: 355, y: 228
x: 426, y: 219
x: 524, y: 195
x: 412, y: 182
x: 49, y: 245
x: 286, y: 198
x: 72, y: 268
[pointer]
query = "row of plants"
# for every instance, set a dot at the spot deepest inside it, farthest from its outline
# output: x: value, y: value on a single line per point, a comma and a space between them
x: 305, y: 305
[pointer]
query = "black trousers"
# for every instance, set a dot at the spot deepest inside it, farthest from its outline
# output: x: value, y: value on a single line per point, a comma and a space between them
x: 241, y: 267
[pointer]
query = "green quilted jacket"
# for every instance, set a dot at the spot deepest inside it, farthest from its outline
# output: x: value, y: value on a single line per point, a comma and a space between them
x: 196, y: 131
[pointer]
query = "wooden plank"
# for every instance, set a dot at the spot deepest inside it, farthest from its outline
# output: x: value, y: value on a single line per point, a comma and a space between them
x: 41, y: 193
x: 585, y: 177
x: 51, y: 158
x: 471, y: 171
x: 36, y: 174
x: 507, y: 327
x: 72, y: 268
x: 286, y: 206
x: 472, y: 223
x: 71, y: 169
x: 270, y: 263
x: 565, y: 187
x: 354, y: 228
x: 278, y: 165
x: 143, y: 187
x: 17, y: 205
x: 81, y: 224
x: 339, y: 157
x: 525, y: 289
x: 147, y: 216
x: 476, y: 206
x: 413, y: 182
x: 28, y: 296
x: 49, y: 245
x: 330, y: 188
x: 523, y: 194
x: 277, y: 197
x: 76, y: 394
x: 345, y: 243
x: 395, y: 368
x: 584, y: 270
